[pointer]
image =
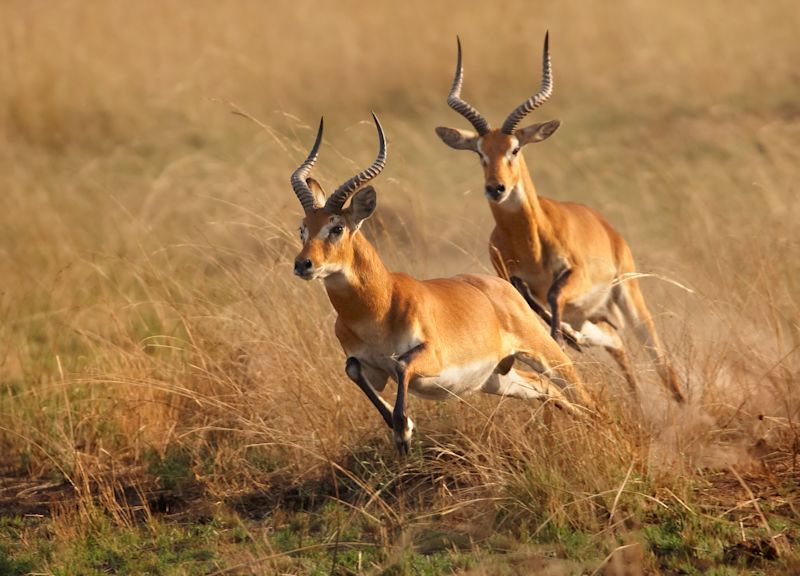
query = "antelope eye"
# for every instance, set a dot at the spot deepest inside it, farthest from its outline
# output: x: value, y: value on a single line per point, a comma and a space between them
x: 337, y: 231
x: 515, y: 151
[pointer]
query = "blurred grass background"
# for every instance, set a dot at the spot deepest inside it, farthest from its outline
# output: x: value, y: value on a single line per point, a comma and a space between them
x: 158, y: 359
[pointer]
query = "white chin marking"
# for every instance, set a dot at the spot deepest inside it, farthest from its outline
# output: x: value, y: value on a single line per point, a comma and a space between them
x: 511, y: 199
x: 499, y: 200
x: 326, y: 271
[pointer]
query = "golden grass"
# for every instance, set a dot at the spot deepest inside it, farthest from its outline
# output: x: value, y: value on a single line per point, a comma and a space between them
x: 146, y: 239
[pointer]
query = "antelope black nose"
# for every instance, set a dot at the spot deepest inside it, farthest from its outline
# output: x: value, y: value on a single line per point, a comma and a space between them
x: 302, y: 266
x: 494, y: 191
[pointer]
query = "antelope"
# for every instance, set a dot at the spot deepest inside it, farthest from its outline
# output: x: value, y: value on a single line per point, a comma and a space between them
x: 435, y: 338
x: 562, y: 253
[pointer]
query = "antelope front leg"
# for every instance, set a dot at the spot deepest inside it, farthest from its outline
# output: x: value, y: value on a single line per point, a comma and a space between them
x: 403, y: 426
x: 523, y: 288
x: 353, y: 370
x: 570, y: 335
x: 555, y: 297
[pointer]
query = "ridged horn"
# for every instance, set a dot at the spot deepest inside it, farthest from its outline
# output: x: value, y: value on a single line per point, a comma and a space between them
x: 343, y: 192
x: 299, y: 176
x: 456, y: 103
x: 545, y: 90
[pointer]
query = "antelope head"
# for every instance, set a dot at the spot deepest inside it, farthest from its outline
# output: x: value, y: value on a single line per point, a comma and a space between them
x: 499, y: 149
x: 328, y: 229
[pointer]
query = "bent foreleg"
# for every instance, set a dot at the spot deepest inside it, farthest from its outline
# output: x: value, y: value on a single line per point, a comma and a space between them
x: 354, y: 371
x: 572, y: 338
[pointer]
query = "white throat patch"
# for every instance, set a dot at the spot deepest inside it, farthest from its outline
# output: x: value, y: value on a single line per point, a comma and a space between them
x: 513, y: 200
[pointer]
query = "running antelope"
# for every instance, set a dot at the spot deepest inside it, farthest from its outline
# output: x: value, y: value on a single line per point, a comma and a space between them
x: 562, y: 253
x: 435, y: 338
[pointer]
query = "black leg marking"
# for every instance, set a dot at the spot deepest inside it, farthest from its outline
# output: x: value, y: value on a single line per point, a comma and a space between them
x: 399, y: 413
x: 353, y: 370
x: 504, y: 366
x: 406, y: 358
x: 610, y: 322
x: 523, y: 288
x: 552, y: 299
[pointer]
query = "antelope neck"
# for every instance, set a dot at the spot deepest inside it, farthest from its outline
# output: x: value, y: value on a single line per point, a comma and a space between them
x: 363, y: 289
x: 527, y: 220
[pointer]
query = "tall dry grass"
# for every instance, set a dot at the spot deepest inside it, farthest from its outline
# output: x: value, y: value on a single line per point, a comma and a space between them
x: 146, y: 235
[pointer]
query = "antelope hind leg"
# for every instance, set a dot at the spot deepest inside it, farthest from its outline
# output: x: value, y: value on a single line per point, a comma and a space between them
x: 525, y: 386
x: 559, y: 371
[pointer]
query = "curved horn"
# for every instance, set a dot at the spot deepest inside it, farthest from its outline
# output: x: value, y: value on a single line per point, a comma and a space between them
x: 343, y: 192
x: 299, y: 176
x: 456, y: 103
x: 545, y: 90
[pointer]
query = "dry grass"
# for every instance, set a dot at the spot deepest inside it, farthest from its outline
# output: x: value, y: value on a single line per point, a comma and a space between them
x: 151, y: 331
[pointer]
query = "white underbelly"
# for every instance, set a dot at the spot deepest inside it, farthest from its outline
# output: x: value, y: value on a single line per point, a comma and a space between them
x: 454, y: 380
x: 586, y: 305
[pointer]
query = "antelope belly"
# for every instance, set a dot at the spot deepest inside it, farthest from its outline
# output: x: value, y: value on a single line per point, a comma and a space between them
x: 582, y: 307
x: 454, y: 380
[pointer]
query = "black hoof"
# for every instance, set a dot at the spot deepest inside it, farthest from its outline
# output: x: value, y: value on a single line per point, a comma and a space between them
x: 402, y: 447
x: 573, y: 343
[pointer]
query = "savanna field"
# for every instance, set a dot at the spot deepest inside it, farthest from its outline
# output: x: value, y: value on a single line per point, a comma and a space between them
x: 173, y: 400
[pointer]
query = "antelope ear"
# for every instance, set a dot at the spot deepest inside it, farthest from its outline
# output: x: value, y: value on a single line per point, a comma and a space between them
x: 317, y: 191
x: 362, y: 206
x: 458, y: 139
x: 537, y: 132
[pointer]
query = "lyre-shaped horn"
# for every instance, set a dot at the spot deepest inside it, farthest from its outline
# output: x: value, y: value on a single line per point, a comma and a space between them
x: 343, y: 192
x: 537, y: 99
x: 456, y: 103
x: 299, y: 176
